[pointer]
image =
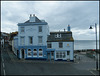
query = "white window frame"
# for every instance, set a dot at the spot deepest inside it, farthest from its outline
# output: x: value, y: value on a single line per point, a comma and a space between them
x: 29, y: 52
x: 29, y: 40
x: 49, y: 44
x: 40, y: 29
x: 35, y: 52
x: 40, y: 41
x: 58, y: 36
x: 41, y: 52
x: 61, y: 54
x: 22, y: 29
x: 60, y: 46
x: 22, y: 41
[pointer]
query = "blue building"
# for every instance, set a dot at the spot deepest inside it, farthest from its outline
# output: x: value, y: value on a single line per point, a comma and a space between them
x: 35, y: 42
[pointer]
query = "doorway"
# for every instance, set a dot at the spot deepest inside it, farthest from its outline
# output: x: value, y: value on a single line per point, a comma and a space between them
x: 22, y: 53
x: 48, y: 54
x: 17, y: 53
x: 52, y: 55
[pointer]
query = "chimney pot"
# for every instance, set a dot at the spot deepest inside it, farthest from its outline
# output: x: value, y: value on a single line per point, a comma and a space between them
x: 30, y: 15
x: 33, y: 14
x: 68, y: 27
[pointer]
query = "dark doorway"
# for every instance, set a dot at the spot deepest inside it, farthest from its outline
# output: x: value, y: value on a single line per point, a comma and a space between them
x: 17, y: 53
x: 48, y: 54
x: 22, y: 51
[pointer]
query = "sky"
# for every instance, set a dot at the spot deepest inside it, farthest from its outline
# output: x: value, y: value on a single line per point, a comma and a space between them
x: 58, y: 14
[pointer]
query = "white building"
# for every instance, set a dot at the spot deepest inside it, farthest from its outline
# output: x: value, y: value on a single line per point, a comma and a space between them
x: 61, y: 45
x: 35, y: 42
x: 32, y: 37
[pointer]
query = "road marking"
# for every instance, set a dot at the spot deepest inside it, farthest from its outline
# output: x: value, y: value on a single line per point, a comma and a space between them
x: 3, y: 65
x: 92, y: 73
x: 4, y: 71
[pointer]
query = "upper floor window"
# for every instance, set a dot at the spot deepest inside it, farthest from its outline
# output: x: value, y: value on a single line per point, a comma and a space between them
x: 22, y: 29
x: 40, y: 28
x: 60, y: 45
x: 39, y: 39
x: 58, y: 36
x: 68, y: 52
x: 49, y: 45
x: 30, y: 40
x: 22, y: 40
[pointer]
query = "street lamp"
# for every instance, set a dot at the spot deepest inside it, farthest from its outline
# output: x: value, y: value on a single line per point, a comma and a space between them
x: 97, y: 65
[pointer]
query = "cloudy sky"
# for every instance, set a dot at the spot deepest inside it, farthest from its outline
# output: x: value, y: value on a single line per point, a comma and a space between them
x: 79, y: 14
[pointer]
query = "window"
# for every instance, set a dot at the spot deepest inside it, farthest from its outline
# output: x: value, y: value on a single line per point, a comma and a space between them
x: 60, y: 54
x: 40, y: 52
x: 57, y: 55
x: 29, y: 53
x: 58, y: 36
x: 22, y: 40
x: 34, y: 52
x: 52, y: 53
x: 30, y: 40
x: 63, y: 54
x: 40, y: 28
x: 49, y: 45
x: 22, y: 29
x: 40, y: 39
x: 68, y: 52
x: 60, y: 45
x: 40, y: 49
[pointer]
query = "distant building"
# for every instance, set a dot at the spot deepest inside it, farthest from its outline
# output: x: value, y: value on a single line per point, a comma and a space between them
x: 4, y: 38
x: 35, y: 42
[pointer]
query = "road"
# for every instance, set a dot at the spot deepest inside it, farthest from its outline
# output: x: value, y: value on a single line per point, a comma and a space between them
x: 10, y: 65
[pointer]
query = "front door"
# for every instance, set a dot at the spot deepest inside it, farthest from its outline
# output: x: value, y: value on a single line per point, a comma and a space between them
x: 48, y: 54
x: 68, y: 55
x: 17, y: 54
x: 52, y: 55
x: 22, y: 51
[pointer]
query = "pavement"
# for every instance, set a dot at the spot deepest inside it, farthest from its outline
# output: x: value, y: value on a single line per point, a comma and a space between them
x: 11, y: 65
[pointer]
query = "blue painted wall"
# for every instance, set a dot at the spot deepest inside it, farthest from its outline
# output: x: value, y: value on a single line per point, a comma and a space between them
x: 33, y: 47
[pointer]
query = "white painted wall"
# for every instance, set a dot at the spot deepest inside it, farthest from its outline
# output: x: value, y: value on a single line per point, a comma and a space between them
x: 55, y: 45
x: 32, y: 30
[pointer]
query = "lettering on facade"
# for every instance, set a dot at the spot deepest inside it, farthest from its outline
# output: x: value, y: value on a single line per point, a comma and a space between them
x: 31, y: 29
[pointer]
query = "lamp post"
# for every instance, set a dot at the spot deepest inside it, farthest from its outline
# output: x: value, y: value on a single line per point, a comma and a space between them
x: 97, y: 65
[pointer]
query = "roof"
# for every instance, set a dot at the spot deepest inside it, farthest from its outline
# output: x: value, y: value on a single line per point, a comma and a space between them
x: 37, y: 22
x: 62, y: 32
x: 66, y: 36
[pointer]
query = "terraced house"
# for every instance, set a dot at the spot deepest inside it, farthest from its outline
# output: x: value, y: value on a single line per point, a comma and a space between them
x: 34, y: 41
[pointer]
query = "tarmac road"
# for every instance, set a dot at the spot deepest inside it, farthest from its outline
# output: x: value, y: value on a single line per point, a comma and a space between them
x: 10, y: 65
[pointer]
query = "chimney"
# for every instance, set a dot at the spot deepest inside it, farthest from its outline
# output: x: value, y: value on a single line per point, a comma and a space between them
x: 68, y: 27
x: 33, y: 15
x: 32, y: 18
x: 30, y: 15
